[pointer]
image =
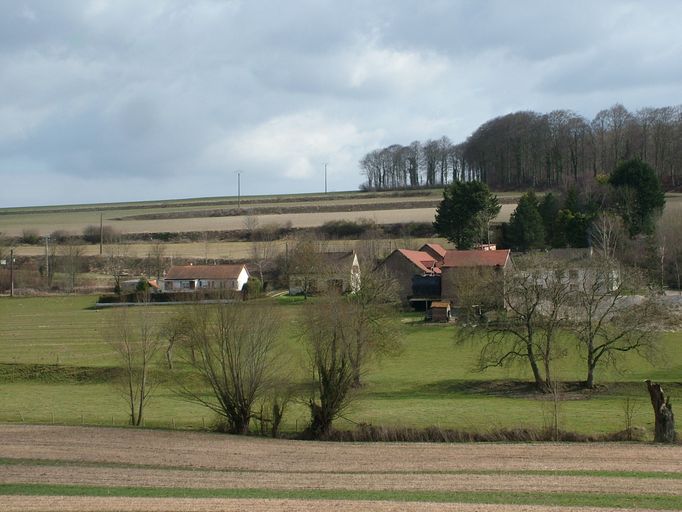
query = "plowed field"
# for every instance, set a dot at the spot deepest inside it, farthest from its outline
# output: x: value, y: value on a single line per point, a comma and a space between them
x: 80, y: 468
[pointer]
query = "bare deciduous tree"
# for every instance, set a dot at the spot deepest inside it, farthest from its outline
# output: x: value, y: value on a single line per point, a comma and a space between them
x: 132, y: 335
x: 264, y: 248
x: 327, y: 335
x: 235, y: 356
x: 606, y: 320
x: 606, y: 234
x: 175, y: 331
x: 116, y: 263
x: 156, y: 260
x: 371, y: 314
x: 72, y: 262
x: 305, y: 266
x: 536, y: 293
x: 669, y: 234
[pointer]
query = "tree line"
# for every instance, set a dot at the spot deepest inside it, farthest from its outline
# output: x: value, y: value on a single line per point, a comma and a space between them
x: 531, y: 149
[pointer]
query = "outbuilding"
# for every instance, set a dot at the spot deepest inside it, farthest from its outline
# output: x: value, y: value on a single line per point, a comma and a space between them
x: 440, y: 311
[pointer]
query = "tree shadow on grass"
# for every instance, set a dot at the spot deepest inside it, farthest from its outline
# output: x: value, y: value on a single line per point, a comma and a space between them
x: 570, y: 390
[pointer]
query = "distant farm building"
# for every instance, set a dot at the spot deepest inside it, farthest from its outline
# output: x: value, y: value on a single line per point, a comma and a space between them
x: 439, y: 311
x: 433, y: 273
x: 325, y: 271
x: 205, y: 277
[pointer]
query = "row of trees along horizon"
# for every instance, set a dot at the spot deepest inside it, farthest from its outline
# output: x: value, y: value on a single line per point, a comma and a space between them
x: 531, y: 149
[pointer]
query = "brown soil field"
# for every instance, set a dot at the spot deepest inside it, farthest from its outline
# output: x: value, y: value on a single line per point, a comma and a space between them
x: 104, y: 457
x: 78, y: 504
x: 373, y: 481
x: 44, y: 224
x: 195, y: 450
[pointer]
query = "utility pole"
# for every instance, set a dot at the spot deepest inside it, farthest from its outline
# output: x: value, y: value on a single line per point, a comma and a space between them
x: 11, y: 272
x: 47, y: 259
x: 101, y: 232
x: 239, y: 189
x: 325, y: 177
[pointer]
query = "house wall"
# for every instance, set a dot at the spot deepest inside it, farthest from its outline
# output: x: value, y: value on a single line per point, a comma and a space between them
x: 452, y: 276
x: 178, y: 285
x: 355, y: 278
x: 440, y: 314
x: 242, y: 279
x: 344, y: 277
x: 401, y: 269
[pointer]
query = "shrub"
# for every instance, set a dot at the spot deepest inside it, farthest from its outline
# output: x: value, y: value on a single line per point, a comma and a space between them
x: 343, y: 229
x: 59, y: 236
x: 29, y: 236
x: 91, y: 234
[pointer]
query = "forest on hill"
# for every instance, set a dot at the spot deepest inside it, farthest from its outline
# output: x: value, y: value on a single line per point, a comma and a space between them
x: 530, y: 149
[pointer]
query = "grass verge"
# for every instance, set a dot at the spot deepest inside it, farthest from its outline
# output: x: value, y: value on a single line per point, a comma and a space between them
x: 517, y: 498
x: 662, y: 475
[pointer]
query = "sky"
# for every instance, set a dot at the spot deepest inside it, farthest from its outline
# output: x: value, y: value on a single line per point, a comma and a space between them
x: 123, y: 100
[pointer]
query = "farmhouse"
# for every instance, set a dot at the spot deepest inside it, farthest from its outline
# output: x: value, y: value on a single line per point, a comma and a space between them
x: 462, y: 269
x: 433, y: 273
x: 205, y: 277
x: 416, y: 272
x: 325, y: 271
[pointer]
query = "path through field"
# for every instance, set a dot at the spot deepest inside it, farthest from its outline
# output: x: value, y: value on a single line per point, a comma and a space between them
x: 126, y: 469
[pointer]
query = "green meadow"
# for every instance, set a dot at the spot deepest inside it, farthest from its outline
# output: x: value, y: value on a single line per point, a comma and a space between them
x: 55, y: 366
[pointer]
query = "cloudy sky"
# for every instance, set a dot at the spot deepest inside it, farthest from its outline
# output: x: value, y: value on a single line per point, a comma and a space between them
x: 126, y: 100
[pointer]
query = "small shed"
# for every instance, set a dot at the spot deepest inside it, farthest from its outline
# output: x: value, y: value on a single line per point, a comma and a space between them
x: 440, y: 311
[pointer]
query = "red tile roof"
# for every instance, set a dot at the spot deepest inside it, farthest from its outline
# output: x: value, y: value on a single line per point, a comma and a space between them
x: 476, y: 258
x: 422, y: 260
x: 434, y: 249
x: 204, y: 272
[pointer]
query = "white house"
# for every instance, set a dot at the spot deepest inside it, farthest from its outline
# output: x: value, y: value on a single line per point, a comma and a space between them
x: 205, y: 277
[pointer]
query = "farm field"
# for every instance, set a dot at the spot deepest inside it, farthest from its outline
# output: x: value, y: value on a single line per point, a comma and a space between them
x: 55, y: 367
x: 383, y: 208
x: 80, y: 468
x: 235, y: 250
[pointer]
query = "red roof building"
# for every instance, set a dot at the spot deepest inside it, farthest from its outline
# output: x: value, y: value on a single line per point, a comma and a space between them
x: 476, y: 258
x: 434, y: 272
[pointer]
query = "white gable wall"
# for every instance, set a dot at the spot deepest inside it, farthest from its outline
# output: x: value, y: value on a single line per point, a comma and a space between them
x: 242, y: 279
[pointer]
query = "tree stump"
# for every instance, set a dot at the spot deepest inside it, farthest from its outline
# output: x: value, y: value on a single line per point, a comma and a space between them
x: 664, y: 426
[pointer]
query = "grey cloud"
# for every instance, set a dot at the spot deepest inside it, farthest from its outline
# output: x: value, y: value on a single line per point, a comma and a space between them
x: 143, y: 95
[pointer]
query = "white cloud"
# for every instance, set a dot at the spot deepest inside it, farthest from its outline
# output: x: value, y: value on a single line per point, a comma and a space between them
x: 295, y: 145
x: 384, y: 69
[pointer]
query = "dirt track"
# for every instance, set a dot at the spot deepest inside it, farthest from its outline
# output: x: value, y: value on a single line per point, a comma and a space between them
x: 159, y: 459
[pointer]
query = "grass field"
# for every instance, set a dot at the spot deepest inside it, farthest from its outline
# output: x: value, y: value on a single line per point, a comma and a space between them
x: 76, y: 468
x: 56, y: 367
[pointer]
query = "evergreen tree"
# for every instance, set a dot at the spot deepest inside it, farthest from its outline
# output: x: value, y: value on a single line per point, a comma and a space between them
x: 572, y: 229
x: 464, y: 214
x: 526, y: 229
x: 639, y: 196
x: 549, y: 209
